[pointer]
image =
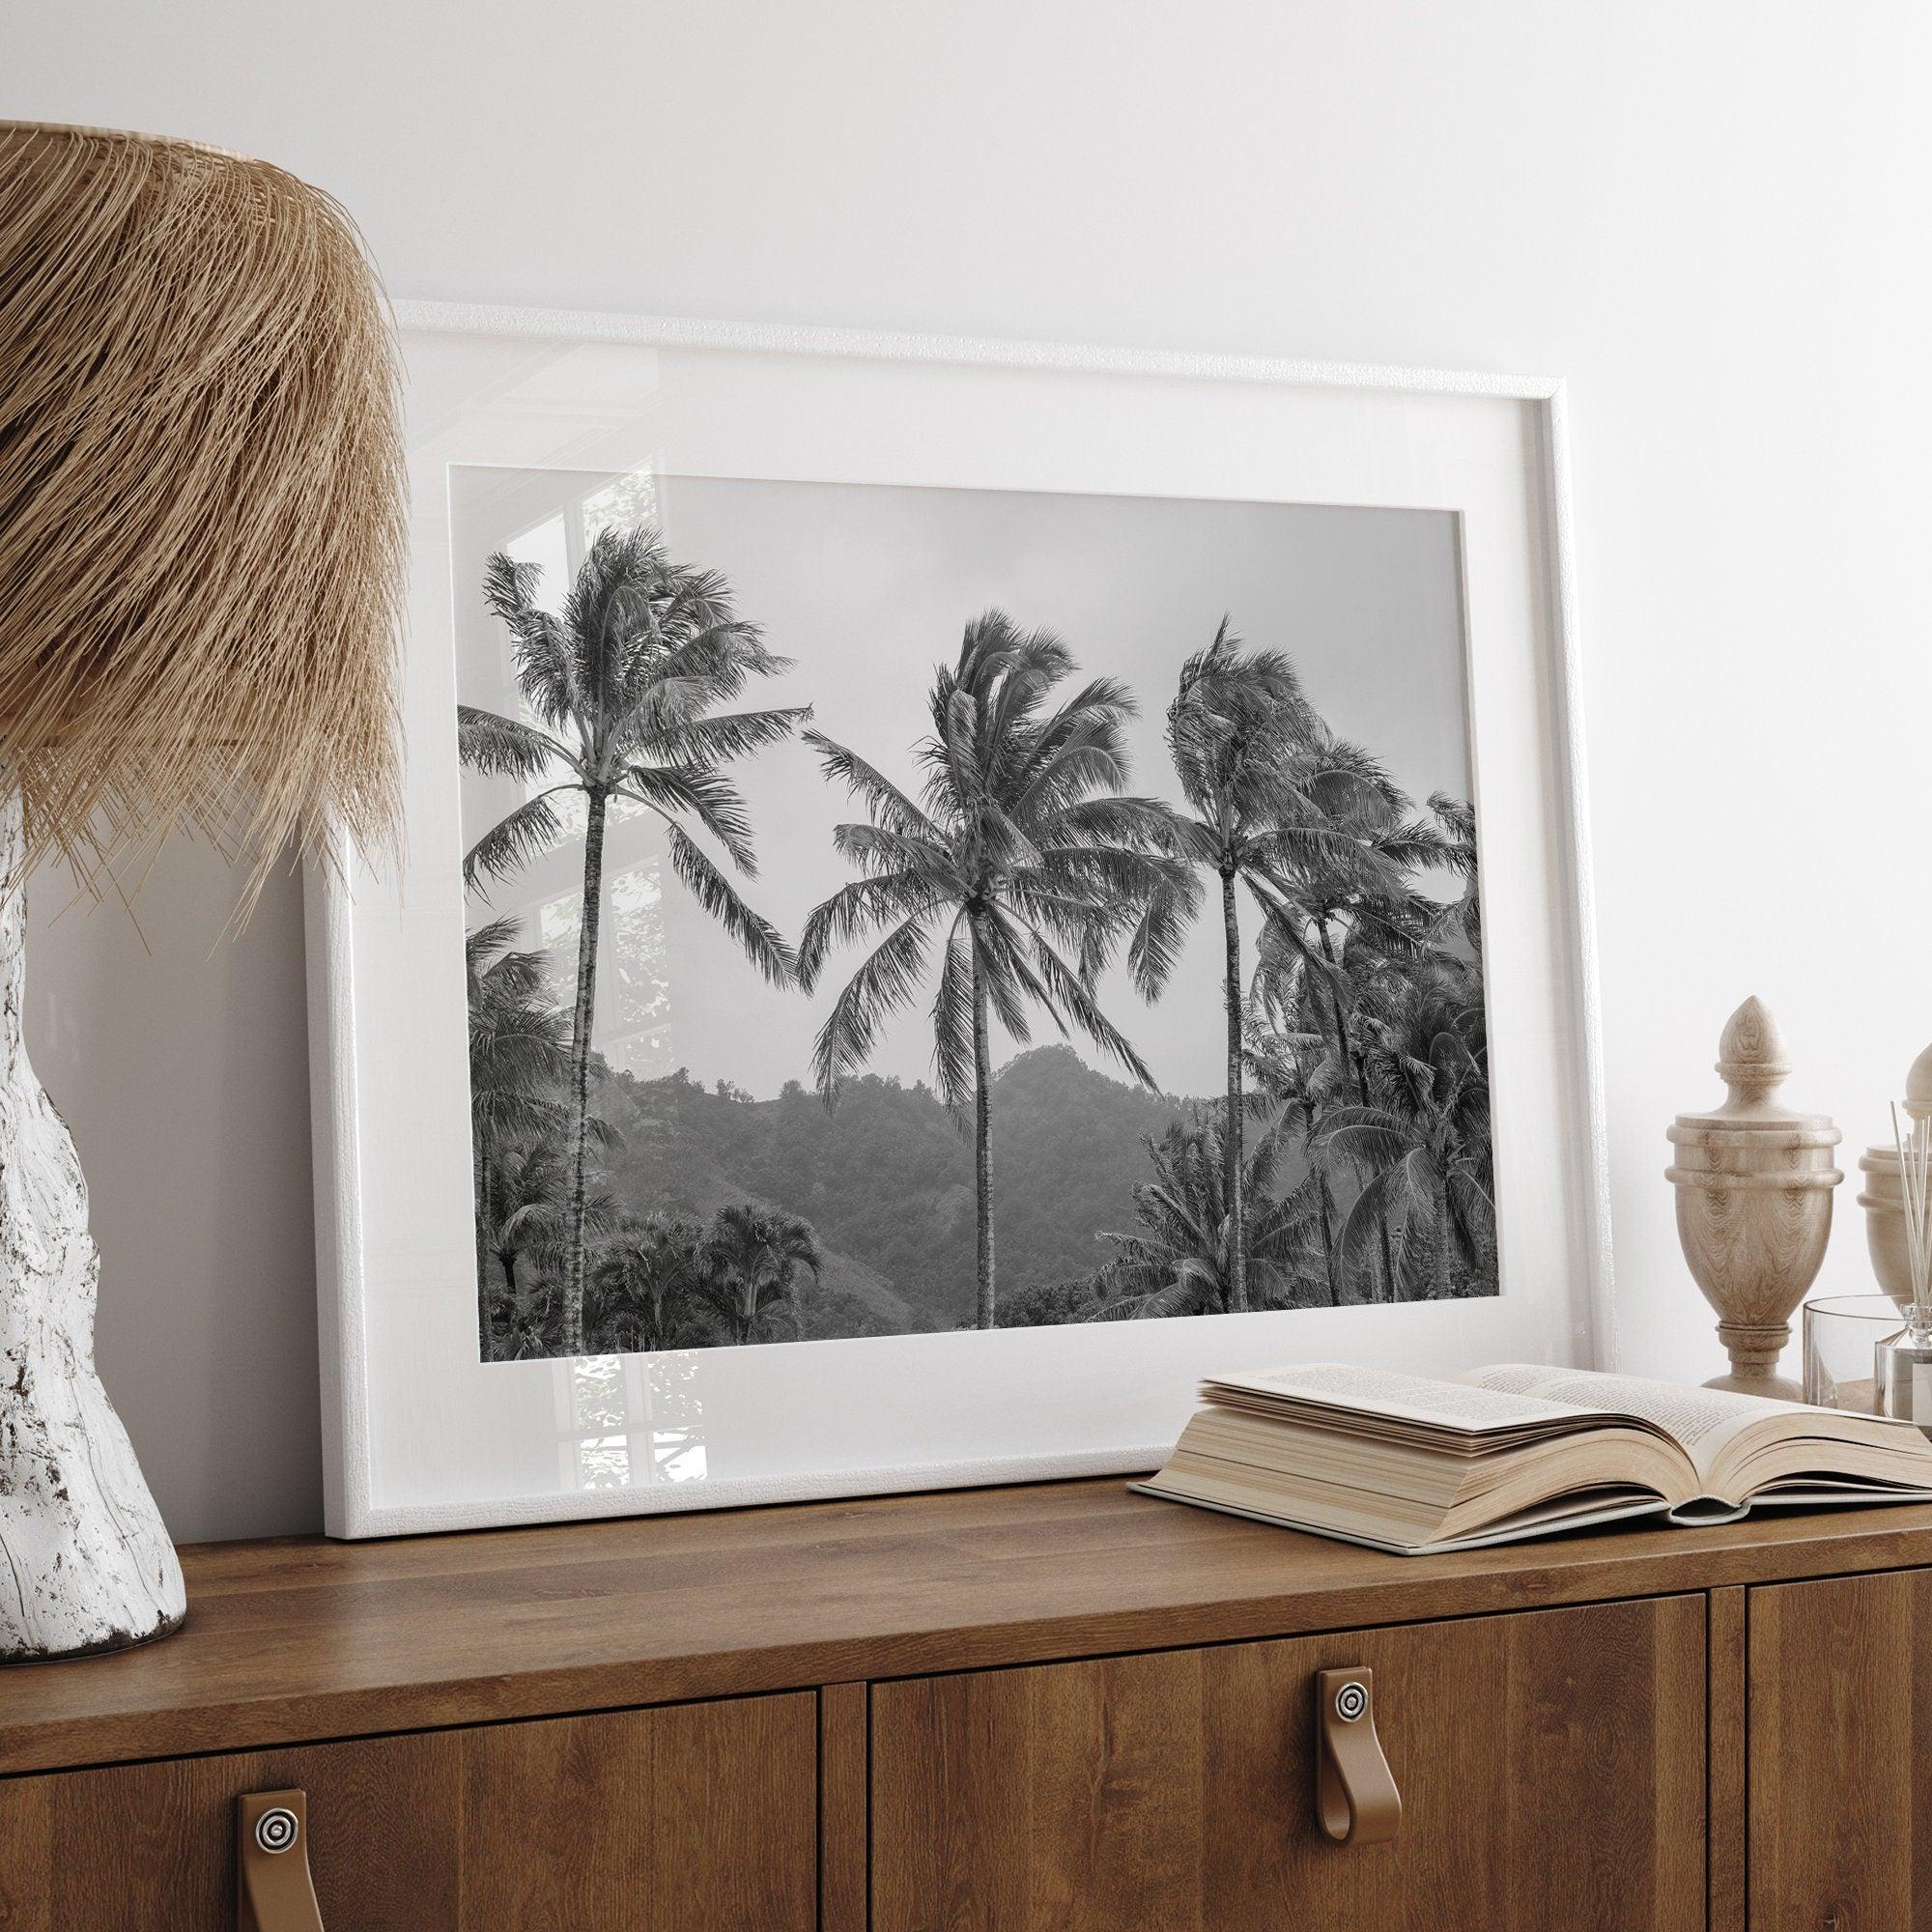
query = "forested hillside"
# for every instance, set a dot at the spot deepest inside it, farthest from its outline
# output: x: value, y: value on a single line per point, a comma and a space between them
x: 886, y: 1179
x: 1343, y: 1159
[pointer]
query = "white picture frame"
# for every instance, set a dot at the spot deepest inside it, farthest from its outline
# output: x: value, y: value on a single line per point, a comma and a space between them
x: 419, y: 1434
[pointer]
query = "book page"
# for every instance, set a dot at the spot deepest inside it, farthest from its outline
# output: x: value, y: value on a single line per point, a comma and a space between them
x: 1704, y: 1421
x: 1461, y: 1406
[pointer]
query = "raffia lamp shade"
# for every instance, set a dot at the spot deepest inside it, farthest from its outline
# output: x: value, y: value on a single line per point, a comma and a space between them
x: 201, y: 555
x: 201, y: 501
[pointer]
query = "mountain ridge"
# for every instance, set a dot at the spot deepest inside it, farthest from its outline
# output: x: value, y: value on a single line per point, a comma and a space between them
x: 886, y: 1177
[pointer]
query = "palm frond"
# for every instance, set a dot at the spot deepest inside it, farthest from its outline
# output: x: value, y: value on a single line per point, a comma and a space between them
x: 733, y: 734
x: 762, y: 944
x: 894, y: 810
x: 1371, y: 1135
x: 546, y: 668
x: 505, y: 748
x: 1383, y: 1207
x: 1085, y: 1011
x: 952, y: 1016
x: 854, y: 908
x: 876, y: 849
x: 884, y: 983
x: 521, y: 835
x: 706, y: 794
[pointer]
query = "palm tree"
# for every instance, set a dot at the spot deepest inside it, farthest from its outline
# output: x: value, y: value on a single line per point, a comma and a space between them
x: 1311, y: 823
x: 751, y: 1261
x: 1183, y: 1259
x: 645, y: 1284
x: 1458, y: 820
x: 1423, y: 1135
x: 621, y: 688
x: 524, y: 1222
x: 1345, y: 901
x: 1237, y: 730
x: 1345, y: 923
x: 519, y: 1055
x: 1299, y: 1081
x: 1023, y: 848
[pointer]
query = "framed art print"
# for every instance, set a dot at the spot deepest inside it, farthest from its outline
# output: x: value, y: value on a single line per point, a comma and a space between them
x: 951, y: 890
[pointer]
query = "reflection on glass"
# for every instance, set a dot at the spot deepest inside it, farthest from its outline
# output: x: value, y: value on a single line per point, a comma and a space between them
x: 624, y: 504
x: 634, y: 1003
x: 633, y: 1420
x: 640, y: 1042
x: 546, y: 547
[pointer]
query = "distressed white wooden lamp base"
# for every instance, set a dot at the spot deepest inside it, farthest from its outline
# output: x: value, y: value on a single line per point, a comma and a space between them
x: 85, y: 1561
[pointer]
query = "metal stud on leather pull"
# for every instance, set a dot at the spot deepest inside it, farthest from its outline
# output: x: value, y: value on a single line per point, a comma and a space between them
x: 273, y: 1892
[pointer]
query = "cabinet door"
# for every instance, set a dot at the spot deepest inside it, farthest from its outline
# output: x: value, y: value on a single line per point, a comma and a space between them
x: 1550, y: 1766
x: 693, y: 1818
x: 1839, y: 1726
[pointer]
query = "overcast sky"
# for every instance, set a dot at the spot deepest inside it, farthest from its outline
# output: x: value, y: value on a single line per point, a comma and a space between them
x: 868, y: 587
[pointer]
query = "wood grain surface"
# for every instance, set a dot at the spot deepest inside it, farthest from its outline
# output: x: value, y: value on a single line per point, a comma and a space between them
x: 697, y: 1818
x: 845, y: 1797
x: 1727, y: 1782
x: 1840, y: 1720
x: 1550, y: 1765
x: 302, y: 1640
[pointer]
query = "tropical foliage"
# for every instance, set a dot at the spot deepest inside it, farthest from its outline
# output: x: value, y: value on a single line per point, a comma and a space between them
x: 1192, y: 1253
x: 1421, y: 1137
x: 1344, y: 1158
x: 750, y: 1268
x: 643, y: 1279
x: 621, y: 690
x: 1025, y: 860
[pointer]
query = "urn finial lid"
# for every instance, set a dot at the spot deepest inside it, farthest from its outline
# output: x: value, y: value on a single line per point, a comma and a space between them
x: 1752, y: 1063
x: 1882, y: 1157
x: 1750, y: 1056
x: 1918, y: 1087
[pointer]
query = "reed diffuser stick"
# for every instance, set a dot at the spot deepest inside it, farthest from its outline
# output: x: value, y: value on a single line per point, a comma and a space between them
x: 1914, y: 1141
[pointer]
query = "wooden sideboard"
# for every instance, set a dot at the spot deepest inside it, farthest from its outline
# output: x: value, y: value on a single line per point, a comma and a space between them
x: 1051, y: 1708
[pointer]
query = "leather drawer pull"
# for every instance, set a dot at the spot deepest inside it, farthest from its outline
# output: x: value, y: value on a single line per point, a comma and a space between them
x: 1356, y: 1799
x: 272, y: 1889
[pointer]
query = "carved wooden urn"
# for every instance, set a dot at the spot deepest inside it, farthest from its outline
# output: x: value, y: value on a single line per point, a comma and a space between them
x: 1753, y: 1183
x: 1882, y: 1199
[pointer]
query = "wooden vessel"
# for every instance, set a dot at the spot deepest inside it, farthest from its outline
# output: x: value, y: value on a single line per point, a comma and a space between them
x: 1882, y: 1200
x: 1753, y: 1183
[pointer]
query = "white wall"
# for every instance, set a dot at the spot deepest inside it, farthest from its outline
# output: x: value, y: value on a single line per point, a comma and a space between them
x: 1711, y: 217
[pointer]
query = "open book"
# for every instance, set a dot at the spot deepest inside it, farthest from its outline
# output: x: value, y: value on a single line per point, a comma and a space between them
x: 1405, y: 1464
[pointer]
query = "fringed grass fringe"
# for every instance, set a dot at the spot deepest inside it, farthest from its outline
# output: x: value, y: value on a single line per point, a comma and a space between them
x: 202, y: 534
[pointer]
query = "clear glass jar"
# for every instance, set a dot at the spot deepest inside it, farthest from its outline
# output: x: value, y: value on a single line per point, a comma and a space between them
x: 1841, y: 1336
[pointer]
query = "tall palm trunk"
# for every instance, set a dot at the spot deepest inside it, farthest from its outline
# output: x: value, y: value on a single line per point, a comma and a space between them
x: 480, y: 1183
x: 1329, y: 1261
x: 983, y: 1139
x: 506, y: 1260
x: 1440, y: 1286
x: 1340, y: 1020
x: 1357, y: 1078
x: 1231, y: 1140
x: 571, y: 1340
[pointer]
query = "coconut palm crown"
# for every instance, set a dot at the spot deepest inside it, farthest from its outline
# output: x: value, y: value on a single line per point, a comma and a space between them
x: 1181, y: 1260
x: 1024, y: 861
x: 620, y: 693
x: 1422, y: 1136
x: 1309, y: 822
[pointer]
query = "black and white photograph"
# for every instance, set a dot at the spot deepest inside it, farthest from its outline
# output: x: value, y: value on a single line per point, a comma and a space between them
x: 904, y: 910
